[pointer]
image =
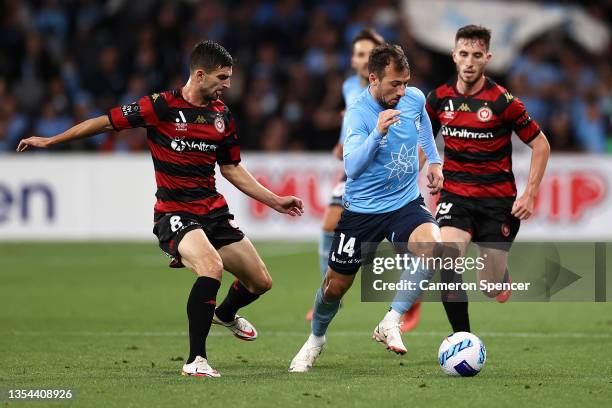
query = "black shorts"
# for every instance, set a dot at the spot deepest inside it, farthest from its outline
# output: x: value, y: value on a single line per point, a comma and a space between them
x: 489, y: 221
x: 170, y: 228
x: 338, y: 192
x: 357, y: 229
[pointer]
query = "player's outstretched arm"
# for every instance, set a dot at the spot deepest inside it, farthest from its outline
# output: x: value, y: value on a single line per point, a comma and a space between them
x: 245, y: 182
x: 540, y: 152
x: 87, y: 128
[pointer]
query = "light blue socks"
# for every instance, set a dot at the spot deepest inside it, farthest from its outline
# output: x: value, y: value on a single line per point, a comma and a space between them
x: 324, y: 312
x: 325, y: 243
x: 404, y: 299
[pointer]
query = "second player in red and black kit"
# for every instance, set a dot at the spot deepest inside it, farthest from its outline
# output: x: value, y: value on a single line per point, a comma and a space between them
x: 479, y: 199
x: 477, y: 132
x: 188, y: 131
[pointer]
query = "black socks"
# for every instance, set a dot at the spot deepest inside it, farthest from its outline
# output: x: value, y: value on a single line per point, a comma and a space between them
x: 237, y: 297
x: 200, y: 309
x: 455, y: 302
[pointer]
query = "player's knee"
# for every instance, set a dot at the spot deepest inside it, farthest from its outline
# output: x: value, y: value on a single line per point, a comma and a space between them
x: 209, y: 267
x: 262, y: 284
x: 334, y: 291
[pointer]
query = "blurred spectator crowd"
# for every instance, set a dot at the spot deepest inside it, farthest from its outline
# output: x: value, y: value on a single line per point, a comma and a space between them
x: 63, y: 61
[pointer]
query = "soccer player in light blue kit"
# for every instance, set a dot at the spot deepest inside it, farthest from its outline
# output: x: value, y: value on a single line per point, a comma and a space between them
x: 385, y: 126
x: 362, y: 45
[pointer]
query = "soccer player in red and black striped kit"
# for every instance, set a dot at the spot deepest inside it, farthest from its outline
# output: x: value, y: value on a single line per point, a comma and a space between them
x: 479, y: 199
x: 188, y: 130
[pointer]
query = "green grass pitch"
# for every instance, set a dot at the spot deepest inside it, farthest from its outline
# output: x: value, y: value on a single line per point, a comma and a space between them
x: 108, y: 321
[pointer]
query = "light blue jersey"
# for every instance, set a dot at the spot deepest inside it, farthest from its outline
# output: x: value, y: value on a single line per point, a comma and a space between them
x: 383, y: 171
x: 351, y: 89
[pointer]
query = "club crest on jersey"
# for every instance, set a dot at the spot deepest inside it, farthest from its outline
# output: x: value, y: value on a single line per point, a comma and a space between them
x: 505, y: 230
x: 484, y: 114
x: 219, y: 124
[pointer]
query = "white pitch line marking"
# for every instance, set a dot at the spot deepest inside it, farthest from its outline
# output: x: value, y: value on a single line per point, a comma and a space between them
x: 561, y: 335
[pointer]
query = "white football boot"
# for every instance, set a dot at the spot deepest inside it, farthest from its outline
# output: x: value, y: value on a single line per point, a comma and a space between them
x: 240, y: 327
x: 389, y: 334
x: 199, y: 368
x: 305, y: 358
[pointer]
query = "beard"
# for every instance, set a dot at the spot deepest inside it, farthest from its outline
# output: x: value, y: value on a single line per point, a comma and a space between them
x: 387, y: 104
x: 471, y: 81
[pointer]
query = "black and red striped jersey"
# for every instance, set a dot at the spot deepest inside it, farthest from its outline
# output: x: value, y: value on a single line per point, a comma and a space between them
x: 477, y: 132
x: 185, y: 142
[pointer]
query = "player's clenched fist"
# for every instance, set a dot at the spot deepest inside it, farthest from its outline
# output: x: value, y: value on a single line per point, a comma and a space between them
x: 33, y: 141
x: 435, y: 179
x: 523, y: 206
x: 385, y: 119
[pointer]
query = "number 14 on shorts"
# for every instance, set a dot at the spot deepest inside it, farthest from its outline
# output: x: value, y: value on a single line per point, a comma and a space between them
x: 348, y: 247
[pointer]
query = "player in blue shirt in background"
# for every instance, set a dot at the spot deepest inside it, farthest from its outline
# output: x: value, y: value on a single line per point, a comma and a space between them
x: 385, y: 126
x: 353, y: 86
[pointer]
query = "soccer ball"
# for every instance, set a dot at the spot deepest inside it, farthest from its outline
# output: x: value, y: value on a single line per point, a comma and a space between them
x: 462, y: 354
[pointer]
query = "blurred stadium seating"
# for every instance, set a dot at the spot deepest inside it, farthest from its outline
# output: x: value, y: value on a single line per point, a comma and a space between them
x: 62, y: 61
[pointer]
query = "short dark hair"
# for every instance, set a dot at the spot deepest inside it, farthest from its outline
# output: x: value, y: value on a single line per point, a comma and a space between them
x: 209, y: 55
x: 369, y: 34
x: 385, y: 54
x: 472, y: 31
